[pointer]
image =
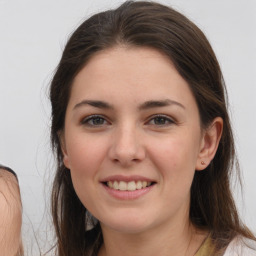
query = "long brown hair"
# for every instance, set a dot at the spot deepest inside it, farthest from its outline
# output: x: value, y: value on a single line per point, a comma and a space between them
x: 147, y: 24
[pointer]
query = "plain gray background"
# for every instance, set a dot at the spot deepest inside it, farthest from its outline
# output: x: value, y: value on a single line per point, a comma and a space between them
x: 32, y: 37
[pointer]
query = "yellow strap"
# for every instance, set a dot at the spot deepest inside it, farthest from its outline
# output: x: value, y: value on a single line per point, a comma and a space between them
x: 206, y: 249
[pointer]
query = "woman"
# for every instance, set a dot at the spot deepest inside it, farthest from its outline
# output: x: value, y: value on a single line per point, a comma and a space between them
x: 10, y: 214
x: 143, y: 140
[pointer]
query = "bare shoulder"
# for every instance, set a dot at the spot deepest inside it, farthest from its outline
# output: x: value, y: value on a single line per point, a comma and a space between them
x: 10, y: 202
x: 241, y: 246
x: 9, y: 189
x: 10, y: 213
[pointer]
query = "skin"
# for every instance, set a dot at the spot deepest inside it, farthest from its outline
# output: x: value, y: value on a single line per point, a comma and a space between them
x: 10, y: 214
x: 129, y: 138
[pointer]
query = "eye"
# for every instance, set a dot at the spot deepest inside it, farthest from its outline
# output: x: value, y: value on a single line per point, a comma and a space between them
x: 160, y: 120
x: 94, y: 120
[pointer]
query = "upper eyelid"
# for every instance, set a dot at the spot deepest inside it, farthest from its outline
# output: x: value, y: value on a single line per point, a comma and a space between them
x: 89, y: 117
x: 163, y: 116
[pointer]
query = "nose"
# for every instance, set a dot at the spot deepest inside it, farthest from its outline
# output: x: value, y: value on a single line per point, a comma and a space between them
x: 126, y: 147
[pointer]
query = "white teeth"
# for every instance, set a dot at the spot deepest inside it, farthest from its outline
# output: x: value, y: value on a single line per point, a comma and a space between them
x: 128, y: 186
x: 122, y: 185
x: 144, y: 184
x: 115, y: 185
x: 131, y: 186
x: 110, y: 184
x: 139, y: 185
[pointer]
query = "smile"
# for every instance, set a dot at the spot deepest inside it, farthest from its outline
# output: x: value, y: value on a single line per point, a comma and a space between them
x: 123, y: 187
x: 128, y: 186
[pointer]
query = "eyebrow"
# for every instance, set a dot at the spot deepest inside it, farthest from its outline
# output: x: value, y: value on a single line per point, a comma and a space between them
x: 94, y: 103
x: 159, y: 103
x: 144, y: 106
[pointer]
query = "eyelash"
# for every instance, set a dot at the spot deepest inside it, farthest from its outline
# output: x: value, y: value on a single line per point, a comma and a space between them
x: 86, y: 121
x: 92, y: 118
x: 163, y: 118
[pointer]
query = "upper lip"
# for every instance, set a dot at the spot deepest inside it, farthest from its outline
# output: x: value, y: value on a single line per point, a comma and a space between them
x: 126, y: 178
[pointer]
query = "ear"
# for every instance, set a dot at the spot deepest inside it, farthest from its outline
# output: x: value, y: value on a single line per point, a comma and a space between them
x: 63, y: 149
x: 209, y: 143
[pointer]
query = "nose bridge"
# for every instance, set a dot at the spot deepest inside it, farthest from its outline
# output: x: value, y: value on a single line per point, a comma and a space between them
x: 126, y: 146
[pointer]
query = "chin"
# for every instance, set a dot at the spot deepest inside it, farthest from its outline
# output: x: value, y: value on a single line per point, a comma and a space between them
x: 127, y: 229
x: 128, y: 224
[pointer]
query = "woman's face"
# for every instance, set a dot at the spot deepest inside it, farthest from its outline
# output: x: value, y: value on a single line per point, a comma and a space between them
x: 132, y: 139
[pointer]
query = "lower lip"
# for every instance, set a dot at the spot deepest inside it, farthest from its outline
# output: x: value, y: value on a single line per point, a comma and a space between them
x: 127, y: 195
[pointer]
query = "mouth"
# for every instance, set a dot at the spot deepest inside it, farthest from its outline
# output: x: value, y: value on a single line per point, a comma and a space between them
x: 128, y: 186
x: 124, y: 187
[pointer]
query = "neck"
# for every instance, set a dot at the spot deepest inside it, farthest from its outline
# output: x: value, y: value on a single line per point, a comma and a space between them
x: 178, y: 240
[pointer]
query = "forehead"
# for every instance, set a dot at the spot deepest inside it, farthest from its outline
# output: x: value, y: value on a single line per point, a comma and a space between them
x: 138, y: 73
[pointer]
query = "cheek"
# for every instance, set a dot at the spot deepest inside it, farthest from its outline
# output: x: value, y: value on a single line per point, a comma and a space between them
x: 85, y: 154
x: 175, y: 157
x: 85, y: 162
